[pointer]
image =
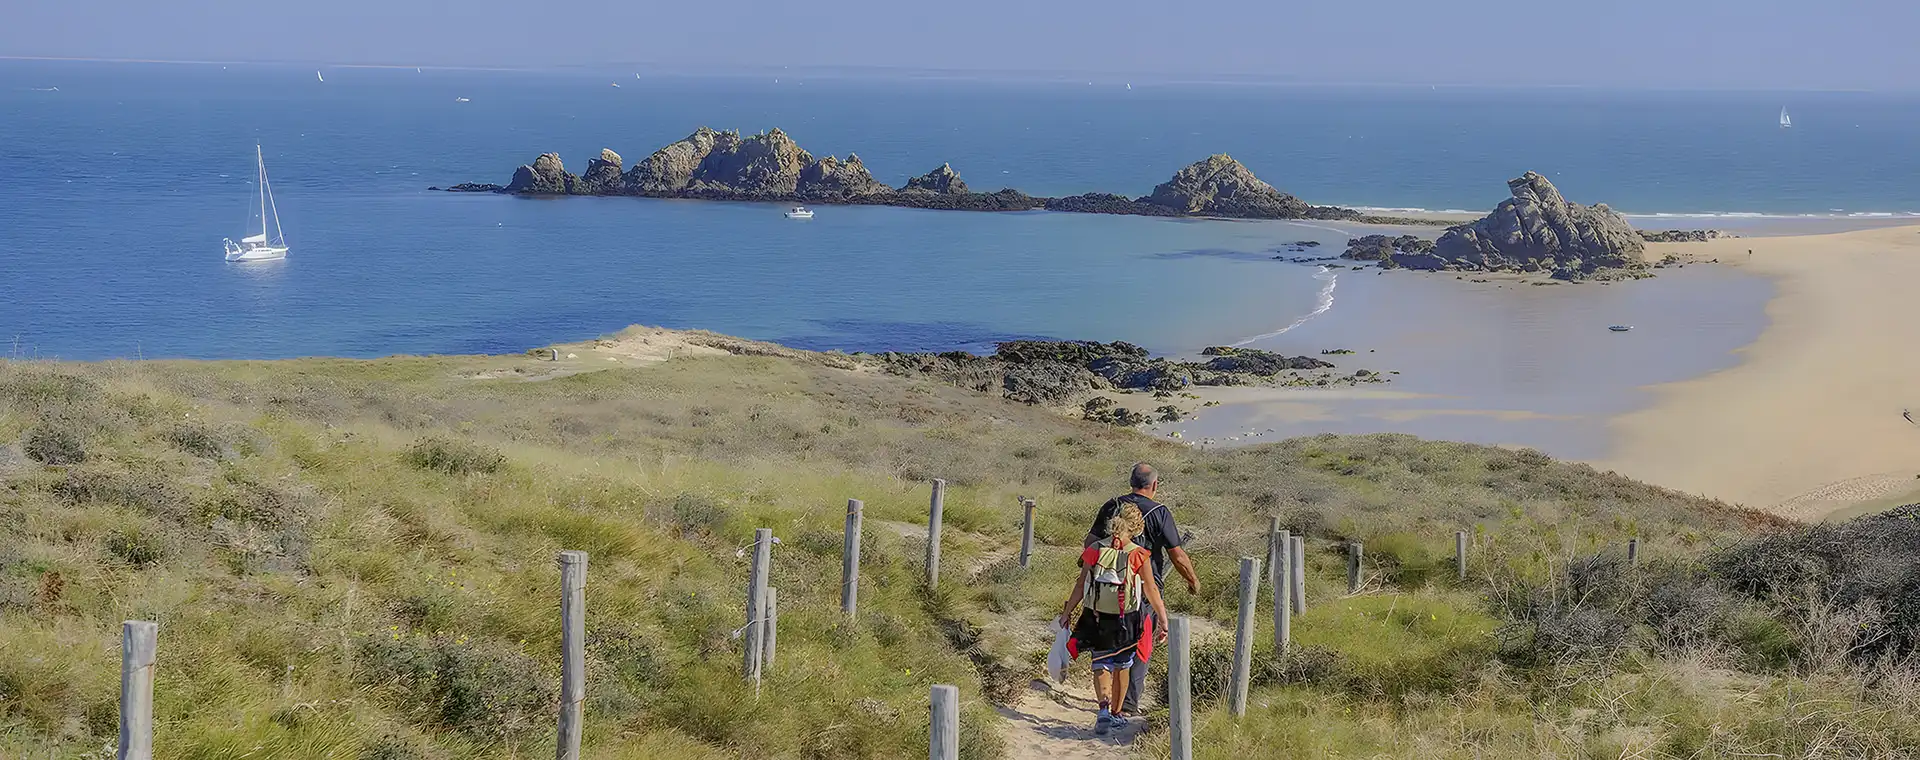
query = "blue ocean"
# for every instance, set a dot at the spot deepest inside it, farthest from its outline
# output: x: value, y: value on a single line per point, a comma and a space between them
x: 121, y: 180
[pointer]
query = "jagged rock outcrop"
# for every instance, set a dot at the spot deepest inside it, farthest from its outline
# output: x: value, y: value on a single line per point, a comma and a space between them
x: 1055, y: 372
x: 1263, y: 363
x: 831, y: 178
x: 716, y: 165
x: 1539, y: 230
x: 766, y: 164
x: 603, y: 175
x: 941, y: 181
x: 671, y: 168
x: 545, y: 176
x: 1221, y: 186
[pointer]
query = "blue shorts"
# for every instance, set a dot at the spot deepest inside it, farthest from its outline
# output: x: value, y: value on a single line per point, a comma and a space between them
x: 1111, y: 661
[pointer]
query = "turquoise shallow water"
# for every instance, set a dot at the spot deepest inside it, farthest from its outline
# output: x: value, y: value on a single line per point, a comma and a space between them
x: 121, y: 184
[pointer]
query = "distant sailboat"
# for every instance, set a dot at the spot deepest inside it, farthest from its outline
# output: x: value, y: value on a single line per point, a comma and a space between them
x: 461, y: 100
x: 1785, y: 120
x: 616, y: 84
x: 260, y: 247
x: 316, y: 75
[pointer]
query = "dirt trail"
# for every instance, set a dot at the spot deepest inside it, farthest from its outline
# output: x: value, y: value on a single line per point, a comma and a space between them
x: 1055, y: 722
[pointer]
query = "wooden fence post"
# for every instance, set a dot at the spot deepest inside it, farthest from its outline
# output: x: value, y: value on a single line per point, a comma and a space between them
x: 850, y: 561
x: 756, y: 603
x: 1180, y: 686
x: 1299, y: 558
x: 1243, y: 633
x: 935, y: 512
x: 1280, y: 585
x: 1026, y: 535
x: 1460, y: 554
x: 1633, y: 552
x: 1356, y: 558
x: 772, y: 633
x: 573, y: 651
x: 139, y: 641
x: 944, y: 742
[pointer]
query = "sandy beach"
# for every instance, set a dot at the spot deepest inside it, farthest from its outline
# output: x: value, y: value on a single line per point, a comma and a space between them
x: 1810, y: 422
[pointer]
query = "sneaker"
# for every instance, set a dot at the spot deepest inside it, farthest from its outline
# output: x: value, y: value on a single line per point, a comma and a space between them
x: 1102, y: 724
x: 1119, y: 722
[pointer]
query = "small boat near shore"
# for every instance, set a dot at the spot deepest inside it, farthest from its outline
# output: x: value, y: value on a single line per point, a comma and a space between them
x: 799, y: 212
x: 1620, y: 328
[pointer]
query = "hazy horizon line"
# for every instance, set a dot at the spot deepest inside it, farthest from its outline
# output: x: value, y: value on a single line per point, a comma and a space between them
x: 1114, y: 78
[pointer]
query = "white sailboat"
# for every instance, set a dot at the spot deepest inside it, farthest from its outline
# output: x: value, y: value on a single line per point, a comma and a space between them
x: 316, y: 75
x: 260, y: 247
x: 1785, y: 120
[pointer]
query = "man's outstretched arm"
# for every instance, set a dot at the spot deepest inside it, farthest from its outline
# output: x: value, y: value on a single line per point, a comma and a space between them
x: 1184, y: 565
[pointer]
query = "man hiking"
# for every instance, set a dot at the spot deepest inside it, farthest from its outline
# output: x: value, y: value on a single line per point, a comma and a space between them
x: 1159, y: 535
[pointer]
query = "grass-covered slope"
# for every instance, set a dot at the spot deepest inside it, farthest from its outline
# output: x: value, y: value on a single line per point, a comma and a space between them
x: 355, y: 559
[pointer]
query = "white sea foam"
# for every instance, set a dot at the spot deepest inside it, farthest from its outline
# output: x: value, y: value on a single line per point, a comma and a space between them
x: 1329, y: 280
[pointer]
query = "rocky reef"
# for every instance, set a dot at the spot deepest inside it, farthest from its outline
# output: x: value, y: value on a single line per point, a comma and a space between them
x: 1536, y: 230
x: 1057, y: 373
x: 770, y: 166
x: 1684, y: 236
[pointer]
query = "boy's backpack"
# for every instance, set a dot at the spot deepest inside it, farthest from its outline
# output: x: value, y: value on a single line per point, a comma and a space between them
x: 1112, y: 586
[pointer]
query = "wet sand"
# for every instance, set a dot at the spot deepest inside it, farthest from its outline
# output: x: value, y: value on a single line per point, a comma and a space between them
x: 1809, y: 424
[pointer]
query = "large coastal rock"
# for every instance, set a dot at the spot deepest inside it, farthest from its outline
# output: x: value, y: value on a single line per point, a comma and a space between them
x: 832, y: 178
x: 669, y: 169
x: 1684, y: 236
x: 766, y: 164
x: 545, y: 176
x: 1539, y: 230
x: 603, y: 175
x: 1221, y: 186
x: 941, y: 181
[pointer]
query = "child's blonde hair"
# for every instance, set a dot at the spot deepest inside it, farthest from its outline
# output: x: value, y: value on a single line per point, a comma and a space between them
x: 1126, y: 522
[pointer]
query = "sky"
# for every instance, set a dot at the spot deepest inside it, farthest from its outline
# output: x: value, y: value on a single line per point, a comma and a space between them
x: 1743, y: 44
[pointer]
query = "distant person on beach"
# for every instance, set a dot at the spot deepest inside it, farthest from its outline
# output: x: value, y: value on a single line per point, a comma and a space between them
x: 1161, y: 537
x: 1116, y: 585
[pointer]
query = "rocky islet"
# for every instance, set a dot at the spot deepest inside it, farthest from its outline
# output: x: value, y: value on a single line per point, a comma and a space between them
x: 770, y: 166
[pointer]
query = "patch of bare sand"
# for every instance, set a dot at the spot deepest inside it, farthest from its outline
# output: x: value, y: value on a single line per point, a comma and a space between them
x: 1811, y: 421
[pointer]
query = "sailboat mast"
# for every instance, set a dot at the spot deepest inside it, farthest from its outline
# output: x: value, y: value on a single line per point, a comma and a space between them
x: 260, y: 175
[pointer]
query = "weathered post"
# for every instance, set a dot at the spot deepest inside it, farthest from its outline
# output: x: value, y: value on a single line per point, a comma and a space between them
x: 1180, y: 686
x: 850, y: 561
x: 1299, y: 558
x: 1280, y: 584
x: 138, y: 641
x: 772, y: 634
x: 573, y: 651
x: 1460, y: 554
x: 1243, y: 633
x: 1356, y: 556
x: 1026, y: 535
x: 944, y: 743
x: 756, y: 602
x: 935, y: 510
x: 1633, y: 552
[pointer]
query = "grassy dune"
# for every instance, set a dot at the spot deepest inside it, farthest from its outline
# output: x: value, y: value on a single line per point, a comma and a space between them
x: 355, y: 559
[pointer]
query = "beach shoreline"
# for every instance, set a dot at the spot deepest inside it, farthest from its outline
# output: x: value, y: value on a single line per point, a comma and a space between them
x: 1810, y: 423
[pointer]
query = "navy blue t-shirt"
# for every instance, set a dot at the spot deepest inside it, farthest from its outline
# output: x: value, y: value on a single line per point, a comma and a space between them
x: 1160, y: 534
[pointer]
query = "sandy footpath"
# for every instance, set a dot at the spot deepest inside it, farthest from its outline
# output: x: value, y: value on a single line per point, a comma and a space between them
x: 1811, y: 421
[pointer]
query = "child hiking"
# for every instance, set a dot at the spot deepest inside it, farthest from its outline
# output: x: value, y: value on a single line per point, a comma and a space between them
x: 1115, y: 580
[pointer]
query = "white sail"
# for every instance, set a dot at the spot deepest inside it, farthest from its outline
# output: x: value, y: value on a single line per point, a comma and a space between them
x: 260, y: 238
x: 316, y: 75
x: 1785, y: 120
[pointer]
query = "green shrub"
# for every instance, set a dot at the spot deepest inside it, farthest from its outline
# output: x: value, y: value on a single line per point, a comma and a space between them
x: 482, y: 690
x: 454, y: 457
x: 137, y: 547
x: 196, y: 439
x: 53, y: 443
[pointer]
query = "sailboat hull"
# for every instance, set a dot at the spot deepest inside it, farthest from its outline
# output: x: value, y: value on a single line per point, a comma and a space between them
x: 255, y: 252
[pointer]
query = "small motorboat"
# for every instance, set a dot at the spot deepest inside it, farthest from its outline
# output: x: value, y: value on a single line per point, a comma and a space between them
x: 799, y: 212
x: 1619, y: 328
